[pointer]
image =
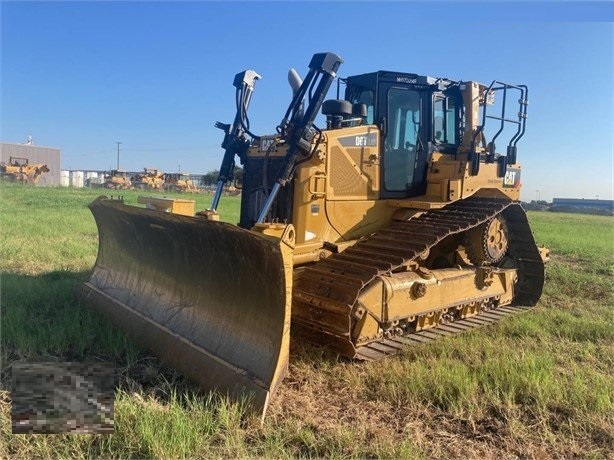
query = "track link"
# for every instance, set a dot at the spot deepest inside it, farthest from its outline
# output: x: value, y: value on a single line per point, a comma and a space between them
x: 325, y: 293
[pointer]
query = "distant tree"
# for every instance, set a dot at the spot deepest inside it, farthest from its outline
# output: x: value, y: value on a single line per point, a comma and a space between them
x: 238, y: 176
x: 535, y: 206
x: 210, y: 178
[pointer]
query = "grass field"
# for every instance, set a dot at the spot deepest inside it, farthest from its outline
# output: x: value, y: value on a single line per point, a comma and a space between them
x: 538, y: 385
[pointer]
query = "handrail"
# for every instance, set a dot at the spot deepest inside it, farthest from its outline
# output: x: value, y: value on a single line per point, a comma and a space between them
x: 494, y: 87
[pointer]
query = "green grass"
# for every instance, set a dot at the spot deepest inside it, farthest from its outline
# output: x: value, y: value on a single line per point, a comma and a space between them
x: 48, y: 246
x: 54, y: 230
x: 535, y: 385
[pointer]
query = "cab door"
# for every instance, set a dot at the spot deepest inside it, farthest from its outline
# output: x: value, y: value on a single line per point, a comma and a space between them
x: 404, y: 157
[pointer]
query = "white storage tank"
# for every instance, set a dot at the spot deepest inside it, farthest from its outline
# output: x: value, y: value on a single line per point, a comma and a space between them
x: 64, y: 178
x: 91, y: 177
x: 77, y: 179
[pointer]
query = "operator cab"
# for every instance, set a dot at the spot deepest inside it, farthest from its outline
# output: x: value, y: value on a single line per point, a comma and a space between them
x: 417, y: 115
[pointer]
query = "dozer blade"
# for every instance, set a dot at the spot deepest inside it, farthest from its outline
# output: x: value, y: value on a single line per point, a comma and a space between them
x: 209, y: 298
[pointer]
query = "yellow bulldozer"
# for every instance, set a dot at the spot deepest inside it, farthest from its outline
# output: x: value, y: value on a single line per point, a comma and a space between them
x: 397, y: 223
x: 149, y: 179
x: 179, y: 182
x: 118, y: 180
x: 21, y: 170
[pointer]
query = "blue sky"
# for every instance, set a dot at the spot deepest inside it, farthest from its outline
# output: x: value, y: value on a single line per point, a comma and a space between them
x: 157, y: 76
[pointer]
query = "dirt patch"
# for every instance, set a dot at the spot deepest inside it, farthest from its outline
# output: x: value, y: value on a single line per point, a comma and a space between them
x: 315, y: 399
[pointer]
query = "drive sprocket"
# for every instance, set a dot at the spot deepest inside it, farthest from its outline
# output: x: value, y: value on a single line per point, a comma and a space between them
x: 487, y: 243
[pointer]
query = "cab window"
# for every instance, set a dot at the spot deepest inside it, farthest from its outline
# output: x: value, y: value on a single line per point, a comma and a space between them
x: 403, y: 129
x: 445, y: 123
x: 366, y: 97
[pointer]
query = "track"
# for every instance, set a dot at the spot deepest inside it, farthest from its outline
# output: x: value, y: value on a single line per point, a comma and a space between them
x: 325, y: 293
